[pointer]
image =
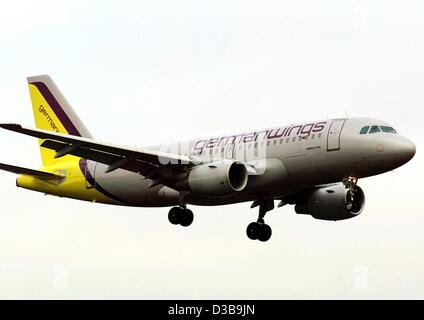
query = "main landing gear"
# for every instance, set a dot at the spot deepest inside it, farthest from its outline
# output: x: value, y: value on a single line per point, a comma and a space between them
x: 259, y: 230
x: 181, y: 216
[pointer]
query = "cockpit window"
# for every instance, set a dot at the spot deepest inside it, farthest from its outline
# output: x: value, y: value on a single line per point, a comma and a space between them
x: 364, y: 130
x: 375, y: 129
x: 387, y: 129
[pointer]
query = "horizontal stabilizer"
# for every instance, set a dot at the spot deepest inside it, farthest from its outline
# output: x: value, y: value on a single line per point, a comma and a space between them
x: 30, y: 172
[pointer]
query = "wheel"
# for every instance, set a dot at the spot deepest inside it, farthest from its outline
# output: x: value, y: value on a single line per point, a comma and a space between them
x: 265, y: 233
x: 187, y: 217
x: 253, y: 230
x: 175, y: 215
x: 349, y: 205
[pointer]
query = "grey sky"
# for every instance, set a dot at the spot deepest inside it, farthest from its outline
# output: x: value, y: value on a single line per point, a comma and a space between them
x: 146, y: 72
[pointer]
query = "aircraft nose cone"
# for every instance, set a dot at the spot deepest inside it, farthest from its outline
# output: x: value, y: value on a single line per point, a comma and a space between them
x: 403, y: 150
x: 406, y: 149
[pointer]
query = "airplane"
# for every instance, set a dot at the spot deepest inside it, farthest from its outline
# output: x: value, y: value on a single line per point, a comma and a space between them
x: 314, y: 166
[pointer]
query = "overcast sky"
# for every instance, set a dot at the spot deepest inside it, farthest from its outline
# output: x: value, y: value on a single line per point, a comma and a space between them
x: 147, y: 72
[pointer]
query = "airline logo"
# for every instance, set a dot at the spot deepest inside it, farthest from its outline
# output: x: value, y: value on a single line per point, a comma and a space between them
x: 264, y: 135
x: 46, y: 115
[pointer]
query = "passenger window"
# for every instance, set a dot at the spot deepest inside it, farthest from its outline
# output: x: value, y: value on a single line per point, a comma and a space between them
x: 364, y: 130
x: 387, y: 129
x: 375, y: 129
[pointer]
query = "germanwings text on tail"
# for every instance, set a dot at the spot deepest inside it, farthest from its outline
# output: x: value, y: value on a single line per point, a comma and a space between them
x: 314, y: 166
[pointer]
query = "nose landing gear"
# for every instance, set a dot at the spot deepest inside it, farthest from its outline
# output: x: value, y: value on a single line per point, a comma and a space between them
x: 260, y: 230
x: 350, y: 184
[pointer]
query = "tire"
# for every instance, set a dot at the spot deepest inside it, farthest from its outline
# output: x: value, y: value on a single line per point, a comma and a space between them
x: 175, y: 215
x: 265, y: 233
x: 187, y: 217
x: 253, y: 230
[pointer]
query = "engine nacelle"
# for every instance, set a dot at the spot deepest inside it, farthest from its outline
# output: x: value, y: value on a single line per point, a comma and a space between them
x: 218, y: 178
x: 333, y: 203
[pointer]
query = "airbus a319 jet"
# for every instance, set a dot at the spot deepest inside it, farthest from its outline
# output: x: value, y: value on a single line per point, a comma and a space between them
x: 314, y: 166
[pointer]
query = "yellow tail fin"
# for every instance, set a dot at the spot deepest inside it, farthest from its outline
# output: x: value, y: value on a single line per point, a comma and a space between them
x: 52, y: 112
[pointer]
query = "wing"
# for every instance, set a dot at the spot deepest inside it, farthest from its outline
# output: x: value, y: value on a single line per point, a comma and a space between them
x: 152, y: 164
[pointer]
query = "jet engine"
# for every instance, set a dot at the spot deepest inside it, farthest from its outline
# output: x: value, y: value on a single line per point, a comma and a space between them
x: 333, y: 203
x: 218, y: 178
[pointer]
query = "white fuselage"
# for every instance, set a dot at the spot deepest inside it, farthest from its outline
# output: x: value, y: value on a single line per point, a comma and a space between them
x: 285, y: 160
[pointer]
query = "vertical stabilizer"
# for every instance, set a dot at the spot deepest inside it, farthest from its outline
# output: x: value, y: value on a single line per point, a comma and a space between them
x: 52, y: 112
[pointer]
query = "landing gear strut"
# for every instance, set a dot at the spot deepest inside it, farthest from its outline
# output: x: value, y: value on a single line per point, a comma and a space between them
x: 180, y: 215
x: 259, y: 230
x: 350, y: 184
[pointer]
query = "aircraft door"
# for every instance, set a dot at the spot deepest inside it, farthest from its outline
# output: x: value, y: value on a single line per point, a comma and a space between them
x: 333, y: 138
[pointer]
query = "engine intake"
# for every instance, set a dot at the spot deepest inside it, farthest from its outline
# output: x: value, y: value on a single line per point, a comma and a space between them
x: 333, y: 203
x: 218, y: 178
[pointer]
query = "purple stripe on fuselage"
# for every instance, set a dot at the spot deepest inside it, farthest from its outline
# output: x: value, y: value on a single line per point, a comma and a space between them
x: 93, y: 182
x: 57, y: 109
